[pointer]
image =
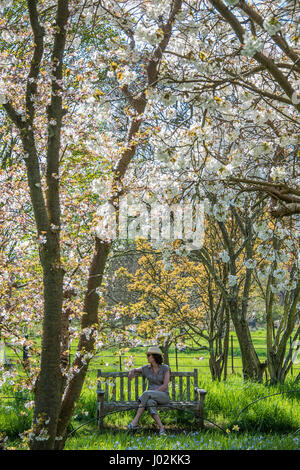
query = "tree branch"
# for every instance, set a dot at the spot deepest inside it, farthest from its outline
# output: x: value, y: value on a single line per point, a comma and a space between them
x: 279, y: 40
x: 267, y: 62
x: 38, y: 33
x: 55, y: 114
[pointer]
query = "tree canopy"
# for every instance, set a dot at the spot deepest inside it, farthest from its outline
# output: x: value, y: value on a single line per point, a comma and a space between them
x: 168, y: 104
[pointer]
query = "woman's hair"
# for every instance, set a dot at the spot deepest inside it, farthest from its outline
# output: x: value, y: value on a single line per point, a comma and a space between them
x: 158, y: 358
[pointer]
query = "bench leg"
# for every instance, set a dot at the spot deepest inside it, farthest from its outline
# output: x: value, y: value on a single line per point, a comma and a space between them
x: 100, y: 418
x: 200, y: 411
x: 100, y: 412
x: 100, y: 423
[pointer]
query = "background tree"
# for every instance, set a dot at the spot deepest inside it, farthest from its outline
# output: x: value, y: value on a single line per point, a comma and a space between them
x: 238, y: 240
x: 278, y: 282
x: 177, y: 300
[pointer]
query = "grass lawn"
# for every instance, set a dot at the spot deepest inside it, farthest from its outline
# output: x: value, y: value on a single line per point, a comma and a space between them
x: 270, y: 423
x: 90, y: 439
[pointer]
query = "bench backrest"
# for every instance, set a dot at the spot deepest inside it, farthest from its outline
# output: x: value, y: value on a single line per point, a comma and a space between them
x: 117, y: 386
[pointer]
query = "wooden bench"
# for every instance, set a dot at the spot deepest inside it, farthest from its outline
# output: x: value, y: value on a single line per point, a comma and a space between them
x: 112, y: 398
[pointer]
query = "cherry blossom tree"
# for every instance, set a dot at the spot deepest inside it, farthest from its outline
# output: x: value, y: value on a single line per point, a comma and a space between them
x: 39, y: 120
x: 36, y: 100
x: 166, y: 101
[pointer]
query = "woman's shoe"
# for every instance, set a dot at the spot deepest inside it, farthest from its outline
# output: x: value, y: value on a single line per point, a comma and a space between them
x: 162, y: 432
x: 131, y: 427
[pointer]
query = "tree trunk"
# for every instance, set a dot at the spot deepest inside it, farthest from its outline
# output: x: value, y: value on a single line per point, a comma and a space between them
x: 252, y: 368
x: 87, y: 341
x: 278, y: 366
x: 226, y: 343
x: 90, y: 320
x: 49, y: 384
x: 165, y: 351
x: 275, y: 368
x: 214, y: 364
x: 48, y: 387
x: 64, y: 350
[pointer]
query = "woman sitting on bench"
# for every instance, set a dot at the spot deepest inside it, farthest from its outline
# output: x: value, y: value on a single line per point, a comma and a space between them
x: 158, y: 375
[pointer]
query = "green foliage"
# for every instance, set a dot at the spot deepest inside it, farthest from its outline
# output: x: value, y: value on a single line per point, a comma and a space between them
x: 15, y: 418
x: 233, y: 420
x: 86, y: 406
x: 227, y: 402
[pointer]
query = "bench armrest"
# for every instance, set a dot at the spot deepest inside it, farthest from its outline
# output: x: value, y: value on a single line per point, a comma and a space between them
x: 201, y: 391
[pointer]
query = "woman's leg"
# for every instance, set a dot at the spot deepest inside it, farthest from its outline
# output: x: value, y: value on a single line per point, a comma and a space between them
x: 142, y: 402
x: 138, y: 415
x: 156, y: 418
x: 160, y: 398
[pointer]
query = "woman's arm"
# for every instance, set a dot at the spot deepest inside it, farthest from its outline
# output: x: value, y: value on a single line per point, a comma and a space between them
x: 164, y: 386
x: 133, y: 371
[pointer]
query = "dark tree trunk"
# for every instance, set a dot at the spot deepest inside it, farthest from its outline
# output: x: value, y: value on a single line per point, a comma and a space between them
x: 49, y: 384
x: 252, y: 368
x: 86, y: 342
x: 165, y: 350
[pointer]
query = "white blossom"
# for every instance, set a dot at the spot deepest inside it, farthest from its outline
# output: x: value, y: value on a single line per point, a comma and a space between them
x: 265, y: 234
x: 279, y: 274
x: 232, y: 280
x: 278, y: 172
x: 220, y: 212
x: 250, y: 263
x: 3, y: 97
x: 224, y: 256
x: 251, y: 45
x: 42, y: 239
x: 276, y: 289
x: 271, y: 25
x: 151, y: 34
x: 106, y: 228
x: 127, y: 76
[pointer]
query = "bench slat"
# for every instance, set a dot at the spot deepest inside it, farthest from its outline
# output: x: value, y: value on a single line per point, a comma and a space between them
x: 195, y: 383
x: 182, y: 374
x: 180, y: 387
x: 173, y: 387
x: 114, y: 389
x: 188, y: 389
x: 134, y: 404
x: 114, y: 374
x: 136, y: 387
x: 129, y: 390
x: 122, y: 388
